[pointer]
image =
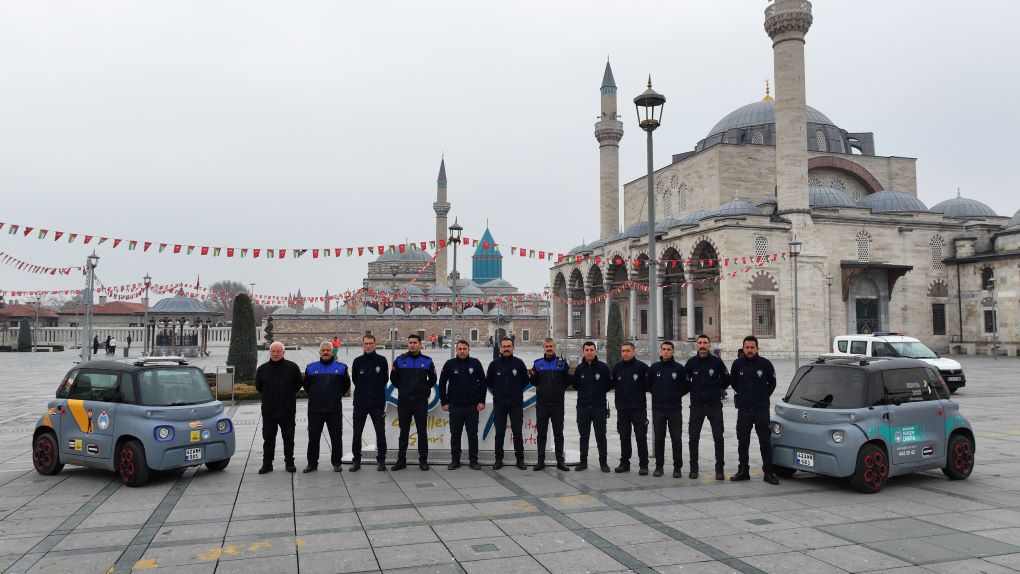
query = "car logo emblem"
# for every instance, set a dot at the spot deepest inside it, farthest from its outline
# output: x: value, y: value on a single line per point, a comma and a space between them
x: 194, y: 412
x: 804, y: 415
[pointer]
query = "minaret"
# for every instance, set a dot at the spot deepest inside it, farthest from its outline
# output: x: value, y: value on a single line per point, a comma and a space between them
x: 442, y: 208
x: 787, y: 22
x: 608, y: 132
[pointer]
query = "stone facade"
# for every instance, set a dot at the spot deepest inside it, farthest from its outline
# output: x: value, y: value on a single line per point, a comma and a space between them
x: 302, y: 330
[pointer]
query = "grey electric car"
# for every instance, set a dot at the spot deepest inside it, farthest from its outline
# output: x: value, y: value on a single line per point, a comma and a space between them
x: 869, y: 419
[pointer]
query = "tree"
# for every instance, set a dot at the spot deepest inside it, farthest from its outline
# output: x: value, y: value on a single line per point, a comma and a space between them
x: 614, y: 334
x: 269, y: 330
x: 243, y: 353
x: 24, y: 336
x: 221, y: 298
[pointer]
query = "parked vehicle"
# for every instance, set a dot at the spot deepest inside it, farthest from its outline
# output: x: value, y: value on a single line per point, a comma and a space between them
x: 896, y: 345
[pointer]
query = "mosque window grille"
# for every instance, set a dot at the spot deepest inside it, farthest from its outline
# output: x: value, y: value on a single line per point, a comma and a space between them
x: 837, y: 183
x: 938, y: 318
x: 761, y: 246
x: 820, y: 141
x: 814, y: 180
x: 864, y: 247
x: 682, y: 191
x: 474, y: 335
x: 758, y: 138
x: 763, y: 320
x: 857, y: 193
x: 937, y: 247
x: 987, y: 279
x: 667, y: 204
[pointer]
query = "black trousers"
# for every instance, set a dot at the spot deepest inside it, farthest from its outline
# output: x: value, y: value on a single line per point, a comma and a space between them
x: 500, y: 414
x: 464, y: 418
x: 269, y: 428
x: 700, y: 412
x: 378, y: 415
x: 671, y: 420
x: 334, y: 424
x: 586, y: 419
x: 420, y: 413
x: 545, y: 414
x: 759, y: 419
x: 636, y: 419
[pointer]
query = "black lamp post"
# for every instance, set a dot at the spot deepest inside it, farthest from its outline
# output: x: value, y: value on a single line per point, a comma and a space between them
x: 455, y: 234
x: 795, y: 247
x: 649, y: 106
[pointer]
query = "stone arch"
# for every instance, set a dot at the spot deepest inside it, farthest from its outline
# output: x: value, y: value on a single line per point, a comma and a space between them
x: 938, y: 288
x: 596, y: 325
x: 702, y: 246
x: 673, y: 277
x: 706, y: 313
x: 843, y: 164
x: 559, y: 305
x: 763, y: 281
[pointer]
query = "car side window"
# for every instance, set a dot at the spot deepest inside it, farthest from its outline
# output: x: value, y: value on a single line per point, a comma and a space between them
x: 908, y: 385
x: 95, y: 386
x: 841, y: 345
x: 880, y: 349
x: 876, y: 390
x: 859, y: 347
x: 65, y: 385
x: 127, y: 389
x: 938, y: 386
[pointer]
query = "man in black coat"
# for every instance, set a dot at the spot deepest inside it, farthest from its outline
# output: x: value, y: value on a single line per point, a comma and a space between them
x: 551, y: 376
x: 414, y: 375
x: 592, y: 379
x: 668, y: 383
x: 370, y: 373
x: 507, y: 378
x: 326, y: 381
x: 630, y: 376
x: 754, y: 380
x: 462, y: 394
x: 278, y: 381
x: 708, y: 378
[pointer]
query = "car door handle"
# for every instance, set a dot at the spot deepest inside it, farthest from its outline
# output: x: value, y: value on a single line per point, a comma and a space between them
x: 885, y: 416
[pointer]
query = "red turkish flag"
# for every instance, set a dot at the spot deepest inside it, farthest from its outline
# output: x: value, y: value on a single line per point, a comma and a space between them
x: 147, y: 245
x: 255, y: 252
x: 177, y: 249
x: 116, y: 242
x: 283, y: 254
x: 88, y: 239
x: 204, y: 250
x: 230, y: 251
x: 338, y: 251
x: 315, y: 253
x: 361, y: 251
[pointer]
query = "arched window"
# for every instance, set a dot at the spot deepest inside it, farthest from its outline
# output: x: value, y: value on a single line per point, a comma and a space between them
x: 758, y: 138
x: 761, y: 246
x: 987, y: 279
x: 937, y: 245
x: 820, y: 141
x: 667, y: 204
x: 863, y: 247
x: 682, y: 191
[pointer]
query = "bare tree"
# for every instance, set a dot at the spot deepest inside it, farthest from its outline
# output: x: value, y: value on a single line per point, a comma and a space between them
x: 221, y: 298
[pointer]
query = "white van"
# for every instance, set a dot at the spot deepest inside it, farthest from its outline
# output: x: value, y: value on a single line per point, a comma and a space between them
x: 896, y: 345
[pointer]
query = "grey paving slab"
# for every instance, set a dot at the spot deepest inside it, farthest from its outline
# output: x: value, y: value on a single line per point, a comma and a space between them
x: 528, y: 525
x: 484, y: 548
x: 595, y: 519
x: 313, y: 543
x: 466, y: 530
x: 393, y: 536
x: 416, y: 555
x: 664, y: 553
x: 791, y: 563
x: 973, y: 544
x: 747, y: 544
x: 968, y: 566
x: 630, y: 534
x: 77, y: 563
x: 856, y: 558
x: 579, y: 561
x: 551, y: 542
x: 916, y: 551
x: 268, y: 564
x: 338, y: 561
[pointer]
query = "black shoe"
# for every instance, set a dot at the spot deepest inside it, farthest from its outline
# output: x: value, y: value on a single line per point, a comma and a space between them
x: 539, y: 466
x: 337, y: 468
x: 562, y: 467
x: 400, y: 465
x: 355, y: 466
x: 520, y: 464
x: 677, y: 473
x: 310, y: 468
x: 741, y: 475
x: 771, y: 479
x: 453, y: 465
x: 475, y: 466
x: 498, y: 465
x: 624, y: 467
x: 423, y: 466
x: 266, y: 468
x: 583, y: 465
x: 604, y: 467
x: 719, y: 475
x: 381, y: 467
x: 643, y: 471
x: 657, y: 472
x: 291, y: 468
x: 693, y: 475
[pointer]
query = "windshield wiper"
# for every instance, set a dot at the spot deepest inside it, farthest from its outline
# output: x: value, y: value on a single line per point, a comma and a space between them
x: 819, y: 404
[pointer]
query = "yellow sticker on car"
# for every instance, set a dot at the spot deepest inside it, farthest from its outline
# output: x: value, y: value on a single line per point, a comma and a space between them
x: 196, y: 435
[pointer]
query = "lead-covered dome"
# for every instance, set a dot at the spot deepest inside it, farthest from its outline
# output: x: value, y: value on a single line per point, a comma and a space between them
x: 737, y: 207
x: 396, y: 256
x: 821, y: 196
x: 755, y: 124
x: 761, y: 113
x: 890, y: 201
x: 962, y: 207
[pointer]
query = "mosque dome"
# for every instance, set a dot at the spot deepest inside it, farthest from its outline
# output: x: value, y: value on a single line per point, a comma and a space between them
x: 409, y: 255
x: 440, y: 290
x: 313, y: 311
x: 1014, y: 223
x: 767, y: 201
x: 892, y: 202
x: 394, y: 311
x: 694, y: 217
x: 755, y: 124
x: 284, y: 311
x: 472, y: 311
x: 668, y: 223
x: 581, y: 249
x: 497, y: 283
x: 821, y: 196
x: 639, y: 229
x: 735, y: 208
x: 962, y: 207
x: 470, y: 289
x: 421, y: 311
x: 761, y: 113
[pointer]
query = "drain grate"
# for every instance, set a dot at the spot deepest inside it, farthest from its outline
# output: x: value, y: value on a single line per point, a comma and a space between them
x: 485, y: 547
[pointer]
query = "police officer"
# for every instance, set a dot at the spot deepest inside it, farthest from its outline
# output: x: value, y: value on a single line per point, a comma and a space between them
x: 708, y: 378
x: 592, y: 379
x: 278, y: 381
x: 668, y: 383
x: 630, y: 377
x: 462, y: 394
x: 413, y: 375
x: 754, y: 379
x: 326, y: 381
x: 551, y: 376
x: 507, y: 378
x: 370, y: 372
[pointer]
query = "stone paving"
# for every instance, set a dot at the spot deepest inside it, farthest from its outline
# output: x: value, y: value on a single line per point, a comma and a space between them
x: 196, y: 521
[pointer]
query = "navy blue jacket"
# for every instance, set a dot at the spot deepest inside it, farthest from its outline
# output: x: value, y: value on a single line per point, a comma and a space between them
x: 668, y: 383
x: 592, y: 381
x: 551, y: 378
x: 413, y: 376
x: 708, y: 377
x: 631, y: 381
x: 371, y: 372
x: 753, y: 380
x: 507, y: 378
x: 462, y: 382
x: 326, y: 383
x: 278, y: 382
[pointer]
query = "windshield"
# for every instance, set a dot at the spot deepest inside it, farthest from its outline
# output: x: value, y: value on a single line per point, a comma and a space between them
x: 827, y: 386
x: 173, y: 387
x: 916, y: 350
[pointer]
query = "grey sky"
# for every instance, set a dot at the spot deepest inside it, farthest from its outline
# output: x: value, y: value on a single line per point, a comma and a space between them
x: 322, y: 123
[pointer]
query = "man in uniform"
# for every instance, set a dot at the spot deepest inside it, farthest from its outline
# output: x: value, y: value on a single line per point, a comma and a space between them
x: 278, y: 381
x: 370, y: 372
x: 507, y: 378
x: 326, y: 381
x: 413, y: 375
x: 754, y: 380
x: 462, y: 394
x: 630, y: 377
x: 551, y: 376
x: 708, y: 378
x: 592, y: 379
x: 668, y: 383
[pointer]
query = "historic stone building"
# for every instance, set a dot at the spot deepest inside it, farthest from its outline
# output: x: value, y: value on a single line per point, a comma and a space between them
x: 874, y: 256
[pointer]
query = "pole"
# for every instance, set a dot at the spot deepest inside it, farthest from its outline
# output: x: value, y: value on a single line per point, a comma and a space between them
x: 796, y: 317
x: 453, y: 310
x: 86, y: 353
x: 393, y: 320
x: 38, y: 303
x: 653, y: 333
x: 828, y: 310
x: 145, y: 323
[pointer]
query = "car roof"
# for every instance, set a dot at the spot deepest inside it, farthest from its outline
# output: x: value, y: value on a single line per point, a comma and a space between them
x: 886, y: 338
x: 130, y: 366
x: 876, y: 364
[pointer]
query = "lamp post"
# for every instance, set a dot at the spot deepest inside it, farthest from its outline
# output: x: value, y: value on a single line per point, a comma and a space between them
x: 145, y: 317
x: 91, y: 262
x: 38, y: 305
x: 995, y: 321
x: 795, y: 253
x: 649, y: 107
x: 455, y: 234
x: 394, y: 269
x: 828, y: 308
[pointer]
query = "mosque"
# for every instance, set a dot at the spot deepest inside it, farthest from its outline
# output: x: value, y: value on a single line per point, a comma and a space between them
x: 874, y: 257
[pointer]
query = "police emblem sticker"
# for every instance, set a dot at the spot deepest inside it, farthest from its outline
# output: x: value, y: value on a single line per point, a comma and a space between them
x: 759, y: 372
x: 456, y: 372
x: 597, y: 376
x: 471, y: 370
x: 635, y: 376
x: 378, y: 369
x: 206, y: 434
x: 514, y: 372
x: 710, y: 372
x: 103, y: 422
x: 674, y: 376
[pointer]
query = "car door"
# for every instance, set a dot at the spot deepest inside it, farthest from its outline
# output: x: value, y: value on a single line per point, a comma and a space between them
x: 87, y: 426
x: 916, y: 416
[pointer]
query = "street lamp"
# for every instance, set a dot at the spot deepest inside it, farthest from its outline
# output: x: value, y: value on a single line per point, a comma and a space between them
x: 828, y: 307
x: 455, y: 233
x: 91, y: 262
x: 145, y: 317
x: 794, y: 253
x: 649, y: 106
x: 394, y: 269
x: 38, y: 305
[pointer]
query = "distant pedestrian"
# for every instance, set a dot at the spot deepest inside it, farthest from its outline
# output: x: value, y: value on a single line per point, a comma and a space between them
x: 95, y: 345
x: 113, y: 345
x: 129, y: 342
x: 106, y: 345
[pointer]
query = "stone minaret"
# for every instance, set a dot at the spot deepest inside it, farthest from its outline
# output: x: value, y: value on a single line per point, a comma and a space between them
x: 787, y: 22
x: 442, y: 208
x: 608, y: 132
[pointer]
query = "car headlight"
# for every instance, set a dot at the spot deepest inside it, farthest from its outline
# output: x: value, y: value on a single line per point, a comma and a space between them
x: 837, y: 436
x: 163, y: 433
x: 777, y: 429
x: 223, y: 426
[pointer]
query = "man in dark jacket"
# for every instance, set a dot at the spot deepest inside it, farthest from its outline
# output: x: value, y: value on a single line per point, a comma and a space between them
x: 414, y: 375
x: 592, y: 379
x: 278, y: 381
x: 370, y: 372
x: 708, y: 377
x: 507, y: 378
x: 754, y: 380
x: 551, y: 376
x: 630, y: 377
x: 462, y: 394
x: 668, y: 383
x: 326, y: 381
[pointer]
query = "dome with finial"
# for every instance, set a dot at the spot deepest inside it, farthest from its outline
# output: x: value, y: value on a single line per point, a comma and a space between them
x: 962, y: 207
x: 737, y: 207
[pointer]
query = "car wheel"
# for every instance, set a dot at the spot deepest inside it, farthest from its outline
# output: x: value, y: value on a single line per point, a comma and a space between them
x: 45, y: 456
x: 952, y: 390
x: 218, y: 465
x: 783, y: 471
x: 872, y: 469
x: 131, y: 465
x: 959, y: 457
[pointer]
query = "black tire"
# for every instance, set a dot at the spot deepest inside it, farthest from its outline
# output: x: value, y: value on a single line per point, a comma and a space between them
x: 959, y: 457
x: 218, y: 465
x: 46, y: 454
x: 131, y: 465
x: 952, y: 390
x: 783, y: 471
x: 872, y: 470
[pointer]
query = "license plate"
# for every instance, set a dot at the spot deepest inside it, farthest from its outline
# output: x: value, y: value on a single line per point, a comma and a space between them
x: 805, y: 459
x: 952, y: 379
x: 194, y: 453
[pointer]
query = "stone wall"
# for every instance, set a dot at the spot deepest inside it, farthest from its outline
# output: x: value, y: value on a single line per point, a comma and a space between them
x: 529, y: 330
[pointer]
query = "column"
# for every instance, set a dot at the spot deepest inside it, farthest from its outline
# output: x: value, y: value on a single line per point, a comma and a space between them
x: 587, y: 313
x: 633, y: 313
x: 605, y: 324
x: 570, y: 318
x: 690, y: 313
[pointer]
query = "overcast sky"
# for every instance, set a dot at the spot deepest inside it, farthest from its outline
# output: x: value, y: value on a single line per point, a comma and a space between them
x: 299, y: 124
